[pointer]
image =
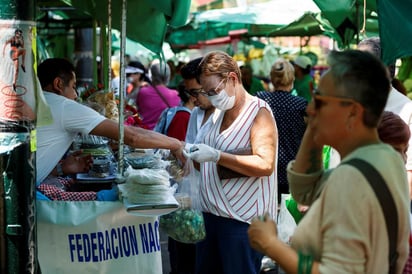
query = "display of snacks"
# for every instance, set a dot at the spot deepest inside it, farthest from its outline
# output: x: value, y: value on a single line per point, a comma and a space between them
x: 101, y: 167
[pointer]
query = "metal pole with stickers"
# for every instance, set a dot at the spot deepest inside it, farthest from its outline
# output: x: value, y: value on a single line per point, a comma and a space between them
x: 18, y: 96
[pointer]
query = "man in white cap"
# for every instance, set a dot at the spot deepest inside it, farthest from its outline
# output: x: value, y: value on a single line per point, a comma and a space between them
x: 304, y: 83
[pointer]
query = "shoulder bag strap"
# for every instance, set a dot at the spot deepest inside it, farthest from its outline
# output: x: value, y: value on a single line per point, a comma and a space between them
x: 161, y: 96
x: 387, y: 203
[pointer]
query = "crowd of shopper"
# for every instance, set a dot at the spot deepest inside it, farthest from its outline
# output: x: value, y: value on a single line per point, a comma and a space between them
x: 250, y: 145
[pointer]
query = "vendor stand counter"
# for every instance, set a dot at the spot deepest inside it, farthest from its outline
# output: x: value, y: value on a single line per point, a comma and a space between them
x: 100, y: 237
x: 96, y: 237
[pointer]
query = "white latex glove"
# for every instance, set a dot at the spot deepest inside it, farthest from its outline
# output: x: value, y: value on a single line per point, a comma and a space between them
x: 188, y: 146
x: 202, y: 153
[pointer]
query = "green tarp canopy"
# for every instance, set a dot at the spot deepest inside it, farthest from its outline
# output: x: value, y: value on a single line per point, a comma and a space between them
x: 346, y: 21
x: 395, y: 23
x: 390, y: 19
x: 289, y: 17
x: 346, y: 17
x: 309, y: 24
x: 146, y: 20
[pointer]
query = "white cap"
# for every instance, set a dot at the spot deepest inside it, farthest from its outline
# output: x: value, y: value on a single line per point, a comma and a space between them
x: 130, y: 69
x: 303, y: 61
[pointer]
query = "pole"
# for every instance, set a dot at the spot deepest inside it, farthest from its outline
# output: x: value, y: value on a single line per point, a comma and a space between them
x: 18, y: 105
x: 109, y: 45
x: 84, y: 49
x: 121, y: 93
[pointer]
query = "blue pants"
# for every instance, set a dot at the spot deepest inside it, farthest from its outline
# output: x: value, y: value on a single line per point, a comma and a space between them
x: 226, y: 249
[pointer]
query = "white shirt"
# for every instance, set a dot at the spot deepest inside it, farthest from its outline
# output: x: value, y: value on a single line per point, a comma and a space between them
x: 402, y: 106
x: 195, y: 130
x: 115, y: 86
x: 69, y: 119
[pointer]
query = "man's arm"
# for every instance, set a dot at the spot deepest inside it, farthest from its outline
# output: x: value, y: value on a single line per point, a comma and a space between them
x: 138, y: 137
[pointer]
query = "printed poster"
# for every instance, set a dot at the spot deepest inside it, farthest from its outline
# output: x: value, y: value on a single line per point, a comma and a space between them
x: 96, y: 237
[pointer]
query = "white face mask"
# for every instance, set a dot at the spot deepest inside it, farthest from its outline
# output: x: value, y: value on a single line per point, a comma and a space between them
x: 222, y: 100
x: 129, y: 79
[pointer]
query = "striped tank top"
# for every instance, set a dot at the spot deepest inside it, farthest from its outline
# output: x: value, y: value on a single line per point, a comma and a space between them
x: 238, y: 198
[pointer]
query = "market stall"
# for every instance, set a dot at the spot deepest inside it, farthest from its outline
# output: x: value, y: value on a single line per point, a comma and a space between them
x: 108, y: 237
x: 123, y: 236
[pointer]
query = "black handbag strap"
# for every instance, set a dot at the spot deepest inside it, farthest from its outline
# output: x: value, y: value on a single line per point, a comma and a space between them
x: 387, y: 203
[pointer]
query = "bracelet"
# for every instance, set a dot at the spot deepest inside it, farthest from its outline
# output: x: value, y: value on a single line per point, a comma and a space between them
x: 304, y: 263
x: 59, y: 169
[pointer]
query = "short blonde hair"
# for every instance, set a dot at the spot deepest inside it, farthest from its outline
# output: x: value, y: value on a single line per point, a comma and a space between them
x: 282, y: 73
x: 218, y: 63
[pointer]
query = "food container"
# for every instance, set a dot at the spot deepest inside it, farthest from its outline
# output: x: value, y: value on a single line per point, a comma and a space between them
x: 101, y: 167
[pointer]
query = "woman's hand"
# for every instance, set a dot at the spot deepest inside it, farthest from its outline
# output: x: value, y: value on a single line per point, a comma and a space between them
x: 262, y: 233
x: 77, y: 163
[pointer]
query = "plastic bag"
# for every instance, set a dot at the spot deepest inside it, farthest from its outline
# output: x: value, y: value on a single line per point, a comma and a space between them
x: 149, y: 186
x: 286, y: 223
x: 186, y: 224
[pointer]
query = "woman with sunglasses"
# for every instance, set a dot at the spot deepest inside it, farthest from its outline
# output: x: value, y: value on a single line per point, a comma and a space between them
x: 243, y: 140
x: 344, y: 229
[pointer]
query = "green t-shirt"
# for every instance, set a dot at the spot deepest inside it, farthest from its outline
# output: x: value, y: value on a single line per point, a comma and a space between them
x: 255, y: 86
x: 304, y: 87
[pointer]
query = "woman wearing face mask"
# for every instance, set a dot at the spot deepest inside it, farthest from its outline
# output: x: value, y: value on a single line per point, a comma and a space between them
x: 243, y: 139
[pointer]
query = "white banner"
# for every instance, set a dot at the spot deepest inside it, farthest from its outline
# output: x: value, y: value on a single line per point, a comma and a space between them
x: 96, y: 237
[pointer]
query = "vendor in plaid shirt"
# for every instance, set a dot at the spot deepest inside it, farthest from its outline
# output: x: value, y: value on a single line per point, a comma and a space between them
x: 58, y: 81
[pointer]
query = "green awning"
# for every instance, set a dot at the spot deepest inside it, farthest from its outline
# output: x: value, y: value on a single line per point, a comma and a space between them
x: 395, y: 23
x: 389, y: 19
x: 259, y: 20
x: 146, y: 20
x: 347, y: 18
x: 309, y: 24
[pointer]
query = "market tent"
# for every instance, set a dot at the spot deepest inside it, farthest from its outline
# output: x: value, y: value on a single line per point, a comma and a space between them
x: 347, y: 17
x: 147, y: 20
x: 135, y: 49
x: 132, y: 48
x: 309, y: 24
x: 258, y: 20
x: 275, y: 13
x: 395, y: 29
x: 389, y: 19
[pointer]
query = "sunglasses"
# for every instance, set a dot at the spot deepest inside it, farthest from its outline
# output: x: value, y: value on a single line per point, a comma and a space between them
x: 318, y: 100
x: 195, y: 92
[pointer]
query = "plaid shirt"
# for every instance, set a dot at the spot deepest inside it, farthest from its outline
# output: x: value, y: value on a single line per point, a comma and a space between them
x: 63, y: 193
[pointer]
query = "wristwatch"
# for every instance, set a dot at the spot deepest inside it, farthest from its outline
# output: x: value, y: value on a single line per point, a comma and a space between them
x: 59, y: 169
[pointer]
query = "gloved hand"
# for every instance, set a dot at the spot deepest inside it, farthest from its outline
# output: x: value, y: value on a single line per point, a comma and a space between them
x: 108, y: 194
x: 188, y: 146
x: 202, y: 153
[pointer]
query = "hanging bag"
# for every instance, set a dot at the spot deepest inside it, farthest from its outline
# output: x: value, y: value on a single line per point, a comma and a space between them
x: 186, y: 224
